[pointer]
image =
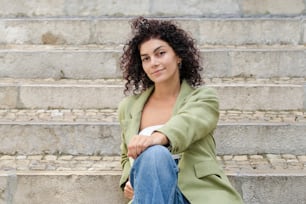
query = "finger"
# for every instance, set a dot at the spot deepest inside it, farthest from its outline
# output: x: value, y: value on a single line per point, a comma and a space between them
x: 128, y: 184
x: 128, y: 195
x: 136, y: 151
x: 132, y: 147
x: 132, y: 152
x: 137, y: 145
x: 128, y: 191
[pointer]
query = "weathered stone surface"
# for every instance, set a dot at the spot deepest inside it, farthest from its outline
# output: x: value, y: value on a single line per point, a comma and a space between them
x: 94, y: 95
x: 260, y: 138
x: 75, y: 31
x: 74, y: 187
x: 259, y: 63
x: 8, y: 96
x: 70, y: 96
x: 111, y: 116
x: 249, y: 31
x: 43, y: 31
x: 271, y: 188
x: 75, y: 139
x: 104, y: 138
x: 97, y: 63
x: 60, y: 63
x: 257, y: 97
x: 19, y: 8
x: 102, y: 187
x: 304, y: 38
x: 270, y: 7
x: 305, y: 97
x: 4, y: 194
x: 104, y: 31
x: 195, y: 8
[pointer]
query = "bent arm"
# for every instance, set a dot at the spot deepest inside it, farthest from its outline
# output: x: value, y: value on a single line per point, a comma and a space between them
x: 195, y: 119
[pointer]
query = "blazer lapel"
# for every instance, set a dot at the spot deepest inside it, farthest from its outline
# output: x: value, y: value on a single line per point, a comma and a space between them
x: 136, y: 112
x: 186, y: 89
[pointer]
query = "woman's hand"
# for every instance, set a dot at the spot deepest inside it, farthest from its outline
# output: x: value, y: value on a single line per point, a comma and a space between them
x: 139, y: 143
x: 128, y: 190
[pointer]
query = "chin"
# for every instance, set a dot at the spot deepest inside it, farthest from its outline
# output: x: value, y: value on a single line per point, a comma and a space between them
x: 159, y: 80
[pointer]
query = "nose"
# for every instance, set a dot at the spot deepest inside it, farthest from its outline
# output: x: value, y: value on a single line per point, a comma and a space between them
x: 154, y: 62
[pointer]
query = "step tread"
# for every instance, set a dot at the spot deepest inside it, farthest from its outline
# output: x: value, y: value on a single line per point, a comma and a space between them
x: 232, y: 164
x: 155, y: 8
x: 217, y: 81
x: 28, y: 48
x: 177, y: 18
x: 89, y: 30
x: 110, y: 116
x: 101, y: 61
x: 234, y: 93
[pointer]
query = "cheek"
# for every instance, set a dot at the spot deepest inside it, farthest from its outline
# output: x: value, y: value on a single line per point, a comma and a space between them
x: 145, y: 69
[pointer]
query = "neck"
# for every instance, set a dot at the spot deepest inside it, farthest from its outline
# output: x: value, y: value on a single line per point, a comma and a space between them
x: 167, y: 90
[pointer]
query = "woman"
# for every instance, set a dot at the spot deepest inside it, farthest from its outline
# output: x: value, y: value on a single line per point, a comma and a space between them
x: 168, y: 150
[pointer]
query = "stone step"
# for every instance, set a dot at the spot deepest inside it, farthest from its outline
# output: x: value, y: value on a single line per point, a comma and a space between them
x: 219, y: 31
x: 110, y: 116
x: 19, y: 8
x: 101, y: 94
x: 63, y: 178
x: 76, y: 187
x: 96, y: 62
x: 104, y: 139
x: 97, y: 132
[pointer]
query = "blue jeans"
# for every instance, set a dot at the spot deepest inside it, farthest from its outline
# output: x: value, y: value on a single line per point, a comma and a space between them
x: 154, y: 178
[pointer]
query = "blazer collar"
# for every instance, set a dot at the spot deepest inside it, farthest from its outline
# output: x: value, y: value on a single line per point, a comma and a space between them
x: 140, y: 101
x: 185, y: 90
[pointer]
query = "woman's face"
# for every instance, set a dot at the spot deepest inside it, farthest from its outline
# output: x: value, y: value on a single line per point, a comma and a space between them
x: 159, y: 61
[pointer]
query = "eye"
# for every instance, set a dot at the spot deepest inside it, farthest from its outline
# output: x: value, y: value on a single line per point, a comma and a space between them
x: 161, y: 53
x: 144, y: 59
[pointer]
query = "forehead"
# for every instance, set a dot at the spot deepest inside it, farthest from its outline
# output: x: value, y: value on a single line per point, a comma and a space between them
x: 151, y: 45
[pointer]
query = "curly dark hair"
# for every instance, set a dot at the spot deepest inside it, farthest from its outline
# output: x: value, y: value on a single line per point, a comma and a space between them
x: 181, y: 42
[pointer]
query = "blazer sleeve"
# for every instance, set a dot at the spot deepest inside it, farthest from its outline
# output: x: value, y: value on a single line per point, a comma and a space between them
x: 125, y: 164
x: 196, y: 118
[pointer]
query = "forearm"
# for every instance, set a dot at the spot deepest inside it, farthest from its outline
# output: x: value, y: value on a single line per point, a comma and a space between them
x: 139, y: 143
x: 159, y: 138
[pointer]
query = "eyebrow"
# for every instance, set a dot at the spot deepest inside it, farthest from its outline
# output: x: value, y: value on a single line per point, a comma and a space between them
x: 153, y: 50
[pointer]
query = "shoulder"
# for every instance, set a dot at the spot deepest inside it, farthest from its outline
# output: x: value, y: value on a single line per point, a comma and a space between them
x: 134, y: 100
x: 132, y: 104
x: 188, y: 91
x: 205, y: 89
x: 203, y: 92
x: 125, y: 105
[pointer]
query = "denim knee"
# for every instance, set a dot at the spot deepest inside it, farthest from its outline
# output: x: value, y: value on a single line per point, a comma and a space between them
x: 158, y: 152
x: 154, y: 172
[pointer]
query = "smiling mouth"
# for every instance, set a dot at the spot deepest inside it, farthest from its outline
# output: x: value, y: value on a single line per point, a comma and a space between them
x: 157, y: 71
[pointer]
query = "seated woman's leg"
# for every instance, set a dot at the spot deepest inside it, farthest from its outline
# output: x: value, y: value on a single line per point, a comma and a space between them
x: 154, y: 177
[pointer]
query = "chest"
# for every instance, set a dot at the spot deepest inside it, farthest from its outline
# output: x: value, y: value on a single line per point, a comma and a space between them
x: 156, y: 112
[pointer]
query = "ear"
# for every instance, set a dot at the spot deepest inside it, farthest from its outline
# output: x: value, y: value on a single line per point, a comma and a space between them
x: 179, y: 60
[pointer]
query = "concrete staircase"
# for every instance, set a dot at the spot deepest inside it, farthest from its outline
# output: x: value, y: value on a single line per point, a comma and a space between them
x: 60, y: 86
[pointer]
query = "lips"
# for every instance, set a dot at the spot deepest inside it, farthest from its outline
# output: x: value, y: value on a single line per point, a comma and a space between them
x: 157, y: 71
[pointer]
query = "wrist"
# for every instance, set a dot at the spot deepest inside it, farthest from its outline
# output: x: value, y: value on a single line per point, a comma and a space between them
x: 160, y: 138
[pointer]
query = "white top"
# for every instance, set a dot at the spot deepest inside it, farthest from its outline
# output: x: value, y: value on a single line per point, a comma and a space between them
x: 147, y: 132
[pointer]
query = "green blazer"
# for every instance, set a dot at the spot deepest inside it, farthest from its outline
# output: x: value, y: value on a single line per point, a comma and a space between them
x: 190, y: 132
